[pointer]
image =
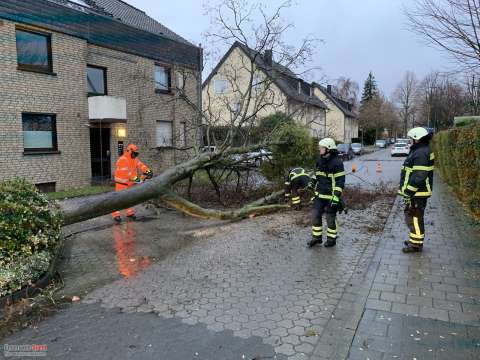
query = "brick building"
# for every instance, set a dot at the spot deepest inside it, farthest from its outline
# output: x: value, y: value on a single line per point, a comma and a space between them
x: 79, y: 80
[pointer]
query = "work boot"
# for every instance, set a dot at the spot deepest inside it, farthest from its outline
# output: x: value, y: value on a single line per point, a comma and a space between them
x: 314, y: 241
x: 117, y: 219
x: 409, y: 248
x: 330, y: 242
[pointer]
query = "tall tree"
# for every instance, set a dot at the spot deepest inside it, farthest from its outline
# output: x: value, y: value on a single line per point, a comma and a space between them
x: 405, y: 96
x: 450, y: 25
x: 443, y: 98
x: 370, y: 89
x: 347, y: 89
x: 472, y: 87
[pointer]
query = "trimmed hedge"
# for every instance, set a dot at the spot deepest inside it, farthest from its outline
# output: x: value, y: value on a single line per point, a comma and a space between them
x: 457, y: 157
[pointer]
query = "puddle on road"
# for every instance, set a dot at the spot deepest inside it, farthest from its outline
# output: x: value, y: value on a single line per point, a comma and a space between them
x: 99, y: 252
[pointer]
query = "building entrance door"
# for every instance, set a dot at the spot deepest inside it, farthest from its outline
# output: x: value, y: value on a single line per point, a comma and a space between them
x: 100, y: 154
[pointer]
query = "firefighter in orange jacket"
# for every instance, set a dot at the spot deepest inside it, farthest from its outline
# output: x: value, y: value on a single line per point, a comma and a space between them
x: 127, y: 175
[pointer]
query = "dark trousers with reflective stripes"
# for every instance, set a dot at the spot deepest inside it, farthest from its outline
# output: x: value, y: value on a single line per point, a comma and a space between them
x: 320, y: 206
x: 414, y: 217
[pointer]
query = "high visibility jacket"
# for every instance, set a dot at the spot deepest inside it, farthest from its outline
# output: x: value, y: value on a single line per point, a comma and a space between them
x: 329, y: 177
x: 297, y: 179
x: 127, y: 169
x: 416, y: 179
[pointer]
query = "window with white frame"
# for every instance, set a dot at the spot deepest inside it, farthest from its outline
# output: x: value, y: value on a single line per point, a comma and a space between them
x: 164, y: 134
x: 220, y: 86
x: 162, y: 78
x: 180, y: 79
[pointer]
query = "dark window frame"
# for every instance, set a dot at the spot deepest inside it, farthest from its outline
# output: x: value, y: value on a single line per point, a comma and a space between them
x: 105, y: 84
x: 36, y: 68
x: 54, y: 148
x: 169, y: 73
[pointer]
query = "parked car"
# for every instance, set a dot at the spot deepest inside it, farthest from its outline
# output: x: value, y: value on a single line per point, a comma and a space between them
x: 382, y: 144
x: 209, y: 148
x: 255, y: 158
x: 357, y: 148
x: 400, y: 149
x: 402, y: 141
x: 345, y: 151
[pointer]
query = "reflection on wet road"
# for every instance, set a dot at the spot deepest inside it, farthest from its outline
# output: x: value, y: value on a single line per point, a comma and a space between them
x: 129, y: 261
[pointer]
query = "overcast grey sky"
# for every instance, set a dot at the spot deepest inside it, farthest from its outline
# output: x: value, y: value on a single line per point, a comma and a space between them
x: 359, y: 36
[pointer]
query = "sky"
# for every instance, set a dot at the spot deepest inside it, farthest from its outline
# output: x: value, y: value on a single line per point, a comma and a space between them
x: 358, y: 36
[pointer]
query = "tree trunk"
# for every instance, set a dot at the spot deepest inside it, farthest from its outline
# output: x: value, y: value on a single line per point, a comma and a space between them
x: 259, y: 207
x: 81, y: 209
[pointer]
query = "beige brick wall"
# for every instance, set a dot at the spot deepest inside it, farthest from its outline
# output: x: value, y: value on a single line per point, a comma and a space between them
x: 128, y: 76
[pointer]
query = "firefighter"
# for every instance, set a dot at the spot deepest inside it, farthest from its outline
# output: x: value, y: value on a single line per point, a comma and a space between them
x: 416, y: 182
x: 127, y: 175
x: 297, y: 182
x: 329, y: 182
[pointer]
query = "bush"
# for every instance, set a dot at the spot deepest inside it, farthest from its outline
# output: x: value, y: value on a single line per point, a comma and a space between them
x: 457, y: 157
x: 295, y: 147
x: 30, y: 228
x: 465, y: 120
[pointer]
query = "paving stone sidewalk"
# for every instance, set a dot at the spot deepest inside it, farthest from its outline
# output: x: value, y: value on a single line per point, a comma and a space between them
x: 234, y: 292
x: 424, y: 306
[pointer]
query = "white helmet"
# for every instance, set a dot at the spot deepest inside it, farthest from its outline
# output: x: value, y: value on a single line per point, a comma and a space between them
x: 417, y: 133
x: 328, y: 143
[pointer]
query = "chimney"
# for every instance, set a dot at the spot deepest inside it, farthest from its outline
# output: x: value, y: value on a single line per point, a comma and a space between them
x: 329, y: 89
x: 299, y: 87
x: 311, y: 90
x: 268, y: 57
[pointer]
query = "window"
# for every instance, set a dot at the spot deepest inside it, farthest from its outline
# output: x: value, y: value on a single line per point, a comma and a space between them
x: 220, y: 86
x: 257, y: 80
x: 46, y: 187
x: 164, y: 134
x: 162, y: 78
x: 236, y: 107
x: 180, y: 80
x: 183, y: 134
x: 34, y: 51
x: 39, y: 133
x: 96, y: 80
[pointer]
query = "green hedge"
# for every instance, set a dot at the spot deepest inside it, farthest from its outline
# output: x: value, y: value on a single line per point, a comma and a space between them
x: 457, y: 157
x: 30, y: 228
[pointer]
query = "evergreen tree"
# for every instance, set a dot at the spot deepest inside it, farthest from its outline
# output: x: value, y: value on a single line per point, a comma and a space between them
x: 370, y: 89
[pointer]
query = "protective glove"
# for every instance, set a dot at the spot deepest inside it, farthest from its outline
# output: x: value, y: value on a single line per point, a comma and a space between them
x: 407, y: 201
x: 136, y: 180
x: 149, y: 174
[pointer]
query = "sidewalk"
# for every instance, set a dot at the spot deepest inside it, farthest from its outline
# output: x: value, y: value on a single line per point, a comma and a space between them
x: 234, y: 292
x: 424, y: 306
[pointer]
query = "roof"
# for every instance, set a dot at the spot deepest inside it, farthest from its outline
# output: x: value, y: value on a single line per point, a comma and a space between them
x: 283, y: 77
x: 135, y: 17
x: 98, y: 28
x: 343, y: 105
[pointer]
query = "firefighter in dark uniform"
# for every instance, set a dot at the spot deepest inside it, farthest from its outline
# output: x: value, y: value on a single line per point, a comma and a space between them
x: 329, y: 183
x: 416, y: 183
x: 296, y: 183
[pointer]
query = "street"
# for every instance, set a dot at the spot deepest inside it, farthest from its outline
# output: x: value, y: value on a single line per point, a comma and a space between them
x: 368, y: 174
x: 253, y: 290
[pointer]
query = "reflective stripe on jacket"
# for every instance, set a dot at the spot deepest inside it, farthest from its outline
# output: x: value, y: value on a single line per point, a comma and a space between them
x: 127, y: 169
x: 416, y: 179
x: 330, y: 177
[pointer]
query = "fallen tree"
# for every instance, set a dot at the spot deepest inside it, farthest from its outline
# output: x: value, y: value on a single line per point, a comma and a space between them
x: 260, y: 207
x: 77, y: 210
